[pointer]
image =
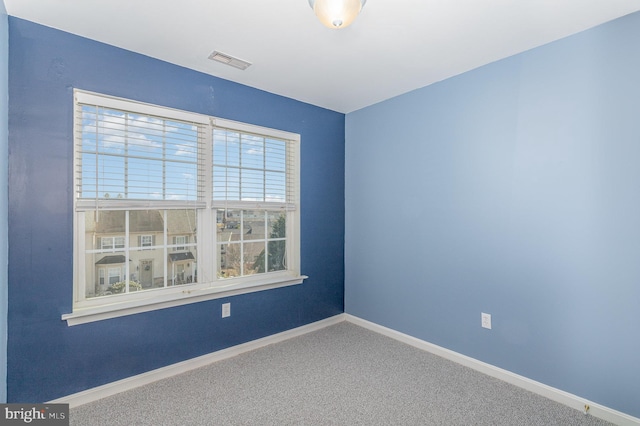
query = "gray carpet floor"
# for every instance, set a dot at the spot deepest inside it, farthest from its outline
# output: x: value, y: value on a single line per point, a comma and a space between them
x: 340, y: 375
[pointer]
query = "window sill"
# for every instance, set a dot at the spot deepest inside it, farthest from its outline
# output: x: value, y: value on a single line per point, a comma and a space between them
x: 187, y: 296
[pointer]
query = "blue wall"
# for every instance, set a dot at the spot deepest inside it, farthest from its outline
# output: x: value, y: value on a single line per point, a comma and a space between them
x: 513, y: 189
x: 4, y: 140
x: 46, y: 358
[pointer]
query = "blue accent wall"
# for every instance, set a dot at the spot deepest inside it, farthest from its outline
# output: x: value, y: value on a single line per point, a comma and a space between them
x: 46, y: 358
x: 512, y: 189
x: 4, y: 152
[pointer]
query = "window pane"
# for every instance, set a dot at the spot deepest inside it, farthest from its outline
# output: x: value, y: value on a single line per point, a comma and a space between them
x: 220, y: 221
x: 110, y: 129
x: 135, y: 156
x: 88, y: 176
x: 277, y: 255
x: 276, y: 155
x: 181, y: 181
x: 226, y: 148
x: 101, y: 224
x: 253, y: 225
x: 114, y: 276
x: 102, y: 175
x: 147, y: 222
x: 144, y: 136
x: 147, y: 267
x: 104, y: 273
x: 229, y: 260
x: 226, y: 183
x: 253, y: 258
x: 240, y: 251
x: 228, y: 222
x: 118, y: 242
x: 106, y: 243
x: 182, y: 224
x: 252, y: 185
x: 144, y: 179
x: 252, y: 152
x: 277, y: 222
x: 182, y: 267
x: 275, y: 187
x: 146, y: 230
x: 152, y: 263
x: 255, y: 172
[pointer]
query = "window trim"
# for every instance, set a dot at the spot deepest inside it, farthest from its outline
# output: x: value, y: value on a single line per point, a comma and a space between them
x: 113, y: 245
x: 181, y: 295
x: 146, y: 246
x: 180, y: 246
x: 100, y: 308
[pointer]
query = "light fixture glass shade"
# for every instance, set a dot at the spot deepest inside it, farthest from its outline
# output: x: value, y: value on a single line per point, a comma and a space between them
x: 337, y: 14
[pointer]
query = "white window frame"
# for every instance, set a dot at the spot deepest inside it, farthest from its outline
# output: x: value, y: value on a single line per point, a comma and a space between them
x: 147, y: 244
x: 209, y: 286
x: 113, y: 244
x: 181, y: 242
x: 111, y: 269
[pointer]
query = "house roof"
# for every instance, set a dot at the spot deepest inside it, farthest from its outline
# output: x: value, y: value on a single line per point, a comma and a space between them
x: 109, y: 260
x: 180, y: 222
x: 113, y: 222
x: 177, y: 257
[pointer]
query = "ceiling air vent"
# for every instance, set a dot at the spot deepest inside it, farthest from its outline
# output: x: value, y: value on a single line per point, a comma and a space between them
x: 229, y: 60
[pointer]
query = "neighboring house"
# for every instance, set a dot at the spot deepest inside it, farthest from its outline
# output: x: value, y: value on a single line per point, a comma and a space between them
x: 153, y: 262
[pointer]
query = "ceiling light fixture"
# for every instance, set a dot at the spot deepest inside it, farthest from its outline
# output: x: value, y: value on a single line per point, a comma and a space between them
x: 337, y: 14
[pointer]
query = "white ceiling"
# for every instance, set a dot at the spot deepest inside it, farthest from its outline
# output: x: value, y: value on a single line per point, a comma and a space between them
x: 393, y: 47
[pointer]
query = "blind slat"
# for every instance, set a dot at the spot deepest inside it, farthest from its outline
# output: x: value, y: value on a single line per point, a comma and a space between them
x: 130, y: 155
x: 251, y: 169
x: 127, y: 155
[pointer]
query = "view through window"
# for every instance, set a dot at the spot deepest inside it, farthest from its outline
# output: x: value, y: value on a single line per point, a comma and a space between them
x: 168, y: 199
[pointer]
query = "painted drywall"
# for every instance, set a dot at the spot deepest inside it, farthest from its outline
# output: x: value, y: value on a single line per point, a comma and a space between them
x: 46, y: 358
x: 4, y: 142
x: 512, y: 189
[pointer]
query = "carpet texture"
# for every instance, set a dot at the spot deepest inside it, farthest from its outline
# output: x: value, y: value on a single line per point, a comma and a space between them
x: 340, y: 375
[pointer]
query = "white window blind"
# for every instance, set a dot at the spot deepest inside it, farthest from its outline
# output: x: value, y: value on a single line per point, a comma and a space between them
x: 252, y: 171
x: 125, y: 155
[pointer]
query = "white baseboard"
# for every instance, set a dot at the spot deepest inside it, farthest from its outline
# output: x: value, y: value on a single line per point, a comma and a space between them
x: 133, y: 382
x: 549, y: 392
x: 554, y: 394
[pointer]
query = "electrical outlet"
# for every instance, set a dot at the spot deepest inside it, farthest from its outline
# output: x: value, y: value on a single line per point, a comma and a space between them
x: 486, y: 320
x: 226, y: 310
